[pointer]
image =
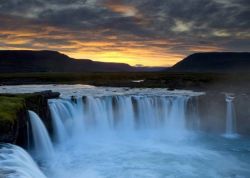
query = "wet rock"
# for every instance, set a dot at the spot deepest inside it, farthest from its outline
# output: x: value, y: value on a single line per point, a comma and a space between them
x: 212, y: 112
x: 242, y: 109
x: 48, y: 94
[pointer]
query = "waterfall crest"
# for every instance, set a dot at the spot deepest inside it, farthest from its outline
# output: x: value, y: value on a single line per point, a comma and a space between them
x: 42, y: 143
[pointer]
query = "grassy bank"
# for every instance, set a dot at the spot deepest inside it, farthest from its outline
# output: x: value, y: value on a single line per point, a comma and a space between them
x: 13, y: 115
x: 10, y: 106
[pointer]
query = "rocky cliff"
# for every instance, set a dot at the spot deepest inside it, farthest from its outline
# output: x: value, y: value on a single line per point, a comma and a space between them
x: 14, y: 118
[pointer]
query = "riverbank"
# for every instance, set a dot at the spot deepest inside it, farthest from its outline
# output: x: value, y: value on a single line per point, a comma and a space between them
x: 221, y: 82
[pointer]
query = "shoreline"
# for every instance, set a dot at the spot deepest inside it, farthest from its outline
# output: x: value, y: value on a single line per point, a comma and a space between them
x: 208, y: 82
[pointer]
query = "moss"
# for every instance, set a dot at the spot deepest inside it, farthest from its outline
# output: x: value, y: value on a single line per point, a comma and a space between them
x: 10, y: 104
x: 9, y: 107
x: 13, y: 115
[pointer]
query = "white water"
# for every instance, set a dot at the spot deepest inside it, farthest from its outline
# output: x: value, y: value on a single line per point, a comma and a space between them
x: 43, y: 146
x: 17, y: 163
x: 67, y: 118
x: 122, y: 133
x: 231, y: 131
x: 135, y: 136
x: 122, y: 113
x: 87, y: 90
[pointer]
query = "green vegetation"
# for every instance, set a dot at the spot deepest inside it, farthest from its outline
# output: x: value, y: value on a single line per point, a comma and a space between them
x: 9, y: 107
x: 13, y: 115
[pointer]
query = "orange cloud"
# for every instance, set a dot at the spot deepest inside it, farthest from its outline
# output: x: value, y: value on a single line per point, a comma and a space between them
x: 148, y: 53
x: 93, y: 45
x: 119, y: 7
x: 206, y: 49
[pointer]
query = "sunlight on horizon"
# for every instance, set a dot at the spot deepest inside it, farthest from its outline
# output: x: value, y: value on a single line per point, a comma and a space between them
x: 132, y: 59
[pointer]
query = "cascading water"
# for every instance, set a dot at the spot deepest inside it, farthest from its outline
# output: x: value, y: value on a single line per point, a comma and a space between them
x: 111, y: 132
x: 231, y: 131
x: 67, y: 118
x: 42, y: 144
x: 17, y: 163
x: 123, y: 113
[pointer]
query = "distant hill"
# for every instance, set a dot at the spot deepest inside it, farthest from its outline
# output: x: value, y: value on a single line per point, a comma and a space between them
x: 15, y: 61
x: 52, y: 61
x: 214, y: 62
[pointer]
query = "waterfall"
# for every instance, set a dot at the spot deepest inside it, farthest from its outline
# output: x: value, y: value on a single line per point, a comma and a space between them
x: 118, y: 112
x: 67, y: 118
x: 121, y: 132
x: 42, y: 143
x: 58, y: 125
x: 231, y: 131
x: 17, y: 163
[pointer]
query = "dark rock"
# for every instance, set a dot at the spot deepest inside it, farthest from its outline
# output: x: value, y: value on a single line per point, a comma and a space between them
x: 48, y: 94
x: 212, y: 112
x: 242, y: 109
x: 22, y: 131
x: 37, y: 102
x: 73, y: 99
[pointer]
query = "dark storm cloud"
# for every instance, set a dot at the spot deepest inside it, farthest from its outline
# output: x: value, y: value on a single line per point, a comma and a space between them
x: 179, y: 25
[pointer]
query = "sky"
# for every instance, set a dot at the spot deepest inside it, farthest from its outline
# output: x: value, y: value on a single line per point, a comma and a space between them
x: 137, y: 32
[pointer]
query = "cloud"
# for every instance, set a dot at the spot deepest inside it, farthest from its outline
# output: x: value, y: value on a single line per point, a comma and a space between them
x: 181, y: 26
x: 152, y: 32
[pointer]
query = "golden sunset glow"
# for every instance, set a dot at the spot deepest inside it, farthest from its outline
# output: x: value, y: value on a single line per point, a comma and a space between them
x: 147, y: 52
x: 132, y: 53
x: 130, y: 58
x: 132, y: 32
